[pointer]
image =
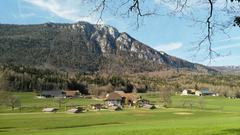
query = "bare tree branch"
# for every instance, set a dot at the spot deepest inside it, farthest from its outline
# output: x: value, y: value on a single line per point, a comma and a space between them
x: 138, y: 9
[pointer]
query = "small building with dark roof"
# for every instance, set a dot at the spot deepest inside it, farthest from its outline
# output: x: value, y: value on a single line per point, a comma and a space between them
x: 71, y: 93
x: 51, y: 93
x: 49, y: 110
x: 205, y: 92
x: 76, y: 110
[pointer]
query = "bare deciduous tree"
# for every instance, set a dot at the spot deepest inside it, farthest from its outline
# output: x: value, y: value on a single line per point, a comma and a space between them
x: 13, y: 102
x: 201, y: 102
x: 6, y: 98
x: 140, y: 9
x: 61, y: 101
x: 165, y: 96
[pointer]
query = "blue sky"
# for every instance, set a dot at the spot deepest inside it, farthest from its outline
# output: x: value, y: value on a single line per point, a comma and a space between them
x: 171, y: 34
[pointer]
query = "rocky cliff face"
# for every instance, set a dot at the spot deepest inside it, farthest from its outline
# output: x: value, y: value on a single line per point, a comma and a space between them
x: 82, y: 47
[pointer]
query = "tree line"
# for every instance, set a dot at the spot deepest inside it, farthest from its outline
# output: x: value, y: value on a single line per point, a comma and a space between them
x: 28, y: 79
x: 31, y: 79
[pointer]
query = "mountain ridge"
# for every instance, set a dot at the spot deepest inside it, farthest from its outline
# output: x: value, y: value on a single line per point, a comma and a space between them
x: 83, y: 47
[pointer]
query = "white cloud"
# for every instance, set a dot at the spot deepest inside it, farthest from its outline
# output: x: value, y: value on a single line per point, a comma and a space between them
x: 68, y: 9
x: 169, y: 46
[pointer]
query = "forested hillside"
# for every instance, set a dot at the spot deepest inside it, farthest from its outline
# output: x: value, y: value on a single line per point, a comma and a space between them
x: 24, y: 78
x: 83, y: 47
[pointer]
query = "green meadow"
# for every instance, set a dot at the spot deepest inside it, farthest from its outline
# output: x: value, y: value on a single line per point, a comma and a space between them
x: 219, y: 116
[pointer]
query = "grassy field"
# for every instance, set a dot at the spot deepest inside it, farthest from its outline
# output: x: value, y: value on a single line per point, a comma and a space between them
x: 30, y: 103
x: 194, y: 102
x: 220, y: 116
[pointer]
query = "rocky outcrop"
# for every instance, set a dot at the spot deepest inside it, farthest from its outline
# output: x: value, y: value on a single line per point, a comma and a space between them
x: 82, y: 47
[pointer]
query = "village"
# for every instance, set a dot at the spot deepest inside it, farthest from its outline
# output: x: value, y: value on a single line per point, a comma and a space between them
x: 113, y: 101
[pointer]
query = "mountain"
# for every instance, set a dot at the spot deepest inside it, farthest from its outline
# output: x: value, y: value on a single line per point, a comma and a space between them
x: 234, y: 70
x: 83, y: 47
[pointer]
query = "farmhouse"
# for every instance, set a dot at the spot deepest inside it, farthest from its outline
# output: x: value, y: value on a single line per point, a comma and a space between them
x: 205, y: 92
x: 187, y: 92
x: 120, y: 98
x: 114, y: 99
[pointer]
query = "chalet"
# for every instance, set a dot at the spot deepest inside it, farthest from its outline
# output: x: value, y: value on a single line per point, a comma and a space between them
x: 128, y: 98
x: 51, y: 93
x: 120, y: 98
x: 114, y: 99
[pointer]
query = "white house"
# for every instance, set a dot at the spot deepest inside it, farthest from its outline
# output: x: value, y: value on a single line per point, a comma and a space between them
x: 184, y: 93
x: 114, y: 99
x: 187, y: 92
x: 198, y: 93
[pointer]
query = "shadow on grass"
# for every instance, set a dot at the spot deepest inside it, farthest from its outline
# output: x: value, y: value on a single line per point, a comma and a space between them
x: 229, y: 131
x: 5, y: 129
x: 86, y: 125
